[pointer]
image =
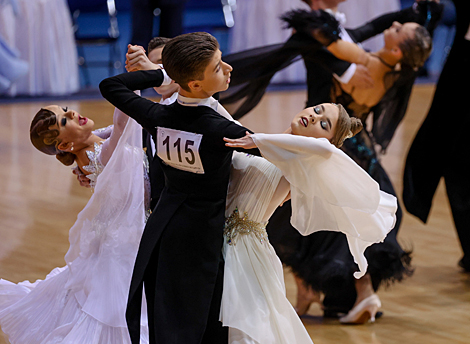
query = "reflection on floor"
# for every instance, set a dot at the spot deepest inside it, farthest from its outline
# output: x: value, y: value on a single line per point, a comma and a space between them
x: 40, y: 200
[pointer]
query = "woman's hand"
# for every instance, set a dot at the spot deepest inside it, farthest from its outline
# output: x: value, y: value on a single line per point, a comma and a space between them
x: 136, y: 59
x: 82, y: 178
x: 245, y: 142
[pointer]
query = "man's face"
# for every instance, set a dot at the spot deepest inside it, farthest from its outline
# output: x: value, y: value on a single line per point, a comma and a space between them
x: 155, y: 56
x: 216, y: 75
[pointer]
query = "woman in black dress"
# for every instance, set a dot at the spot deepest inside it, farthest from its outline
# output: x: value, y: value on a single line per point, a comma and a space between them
x: 320, y: 261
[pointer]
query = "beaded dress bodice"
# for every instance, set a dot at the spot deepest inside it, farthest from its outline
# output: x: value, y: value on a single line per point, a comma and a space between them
x: 95, y: 167
x: 253, y: 182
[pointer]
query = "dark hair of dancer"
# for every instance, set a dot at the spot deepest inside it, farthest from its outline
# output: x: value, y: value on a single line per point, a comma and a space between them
x: 186, y: 57
x: 157, y: 42
x: 417, y: 49
x: 346, y: 127
x: 46, y: 140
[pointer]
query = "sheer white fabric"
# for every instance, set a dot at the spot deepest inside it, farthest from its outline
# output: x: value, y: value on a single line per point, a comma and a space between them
x: 85, y: 301
x: 330, y: 191
x: 254, y: 303
x: 42, y: 33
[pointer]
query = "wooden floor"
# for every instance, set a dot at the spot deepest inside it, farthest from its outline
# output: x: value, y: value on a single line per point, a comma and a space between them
x: 40, y: 199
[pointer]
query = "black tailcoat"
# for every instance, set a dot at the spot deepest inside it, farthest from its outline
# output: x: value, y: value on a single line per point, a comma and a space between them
x: 441, y: 150
x: 179, y: 261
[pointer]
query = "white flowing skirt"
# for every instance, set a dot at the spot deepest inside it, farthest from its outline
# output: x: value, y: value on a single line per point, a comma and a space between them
x: 254, y: 302
x: 48, y: 312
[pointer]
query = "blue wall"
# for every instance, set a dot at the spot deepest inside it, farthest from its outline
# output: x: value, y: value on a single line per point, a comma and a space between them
x: 200, y: 15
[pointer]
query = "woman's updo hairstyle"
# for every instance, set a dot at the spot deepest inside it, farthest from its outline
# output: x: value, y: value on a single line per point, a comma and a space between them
x: 346, y: 127
x: 46, y: 140
x: 417, y: 49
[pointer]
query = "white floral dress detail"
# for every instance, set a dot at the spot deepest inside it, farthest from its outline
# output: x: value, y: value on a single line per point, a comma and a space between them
x: 236, y: 225
x: 254, y: 303
x: 95, y: 167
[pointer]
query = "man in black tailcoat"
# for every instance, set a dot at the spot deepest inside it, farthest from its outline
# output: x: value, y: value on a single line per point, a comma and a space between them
x: 180, y: 262
x: 440, y: 148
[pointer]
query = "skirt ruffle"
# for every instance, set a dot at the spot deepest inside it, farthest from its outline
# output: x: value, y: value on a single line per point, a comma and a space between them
x: 254, y: 303
x: 47, y: 312
x: 324, y: 262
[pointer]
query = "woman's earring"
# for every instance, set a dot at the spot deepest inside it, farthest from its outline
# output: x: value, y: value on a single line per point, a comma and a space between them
x: 71, y: 148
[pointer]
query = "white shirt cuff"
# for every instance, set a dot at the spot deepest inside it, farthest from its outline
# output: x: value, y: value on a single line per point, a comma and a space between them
x: 347, y: 75
x: 166, y: 79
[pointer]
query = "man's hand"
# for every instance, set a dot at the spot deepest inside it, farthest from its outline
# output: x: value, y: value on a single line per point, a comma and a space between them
x: 81, y: 177
x: 136, y: 59
x: 361, y: 78
x: 245, y: 142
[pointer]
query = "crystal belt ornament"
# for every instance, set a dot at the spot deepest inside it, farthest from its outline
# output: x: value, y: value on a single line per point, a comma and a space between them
x: 234, y: 225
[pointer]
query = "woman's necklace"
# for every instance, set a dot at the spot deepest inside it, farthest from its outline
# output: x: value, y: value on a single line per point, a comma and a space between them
x: 383, y: 62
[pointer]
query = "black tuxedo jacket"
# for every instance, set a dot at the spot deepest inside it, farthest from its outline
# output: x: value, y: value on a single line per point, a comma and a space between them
x: 156, y: 176
x: 180, y: 251
x: 438, y: 152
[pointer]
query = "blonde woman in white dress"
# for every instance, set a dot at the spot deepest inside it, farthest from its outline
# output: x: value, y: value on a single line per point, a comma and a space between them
x: 329, y: 191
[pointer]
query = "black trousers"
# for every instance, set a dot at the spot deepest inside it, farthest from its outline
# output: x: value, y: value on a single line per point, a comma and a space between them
x: 214, y: 333
x: 433, y: 156
x: 441, y: 152
x: 171, y: 20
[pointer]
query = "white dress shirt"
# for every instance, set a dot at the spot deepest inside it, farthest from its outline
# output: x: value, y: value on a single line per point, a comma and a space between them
x: 210, y: 102
x: 341, y: 18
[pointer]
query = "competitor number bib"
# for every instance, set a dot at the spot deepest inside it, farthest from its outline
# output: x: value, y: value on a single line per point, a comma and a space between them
x: 179, y: 149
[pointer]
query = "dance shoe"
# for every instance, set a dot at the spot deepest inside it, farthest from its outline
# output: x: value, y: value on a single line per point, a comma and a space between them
x: 364, y: 311
x: 305, y: 300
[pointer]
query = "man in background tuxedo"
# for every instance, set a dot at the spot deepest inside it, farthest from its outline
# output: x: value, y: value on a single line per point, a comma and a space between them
x: 438, y: 152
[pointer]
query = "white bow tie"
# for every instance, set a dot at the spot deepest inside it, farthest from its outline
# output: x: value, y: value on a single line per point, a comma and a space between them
x: 339, y: 16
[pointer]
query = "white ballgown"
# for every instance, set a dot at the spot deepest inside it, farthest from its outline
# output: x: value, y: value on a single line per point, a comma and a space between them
x: 329, y: 191
x: 84, y: 302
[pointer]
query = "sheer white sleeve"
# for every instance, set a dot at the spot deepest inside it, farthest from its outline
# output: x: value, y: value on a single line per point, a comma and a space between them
x: 108, y: 231
x: 329, y: 191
